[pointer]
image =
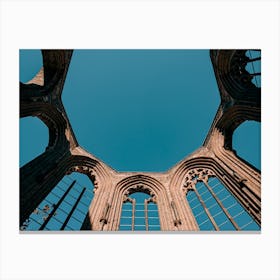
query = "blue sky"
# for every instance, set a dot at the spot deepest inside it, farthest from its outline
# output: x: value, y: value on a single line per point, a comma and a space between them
x: 137, y: 110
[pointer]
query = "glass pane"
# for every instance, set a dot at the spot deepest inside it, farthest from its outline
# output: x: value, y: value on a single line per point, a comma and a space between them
x: 141, y: 228
x: 124, y: 227
x: 139, y: 213
x: 139, y: 221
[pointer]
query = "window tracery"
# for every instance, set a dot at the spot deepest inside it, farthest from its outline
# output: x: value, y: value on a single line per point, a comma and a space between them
x: 139, y: 210
x: 212, y: 204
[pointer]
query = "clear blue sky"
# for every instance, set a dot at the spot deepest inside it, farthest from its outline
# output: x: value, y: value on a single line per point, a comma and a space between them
x: 137, y: 110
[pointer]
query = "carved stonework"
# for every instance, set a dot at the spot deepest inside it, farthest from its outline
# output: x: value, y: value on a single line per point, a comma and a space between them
x: 196, y: 175
x: 87, y: 171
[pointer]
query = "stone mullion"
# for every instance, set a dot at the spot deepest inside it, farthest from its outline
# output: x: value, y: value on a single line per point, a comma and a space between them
x: 133, y: 201
x: 206, y: 209
x: 146, y: 214
x: 222, y: 206
x: 73, y: 209
x: 57, y: 205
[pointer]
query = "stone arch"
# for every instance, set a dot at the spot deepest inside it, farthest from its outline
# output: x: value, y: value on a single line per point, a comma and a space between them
x: 147, y: 184
x: 234, y: 80
x: 234, y: 117
x: 219, y: 141
x: 55, y: 66
x: 52, y: 118
x: 100, y: 176
x: 236, y: 185
x: 47, y: 176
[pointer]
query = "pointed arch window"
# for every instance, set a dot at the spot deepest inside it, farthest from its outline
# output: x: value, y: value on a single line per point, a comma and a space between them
x: 139, y: 212
x: 213, y: 206
x: 65, y: 207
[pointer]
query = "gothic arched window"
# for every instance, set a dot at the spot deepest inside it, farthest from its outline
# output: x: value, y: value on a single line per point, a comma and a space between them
x: 139, y: 212
x: 213, y: 206
x: 65, y: 207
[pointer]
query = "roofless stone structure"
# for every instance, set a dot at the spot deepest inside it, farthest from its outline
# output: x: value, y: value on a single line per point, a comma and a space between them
x: 169, y: 191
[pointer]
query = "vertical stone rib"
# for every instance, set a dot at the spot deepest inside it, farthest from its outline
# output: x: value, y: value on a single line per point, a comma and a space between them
x: 222, y: 206
x: 73, y: 209
x: 57, y: 205
x: 206, y: 209
x: 133, y: 215
x: 146, y: 214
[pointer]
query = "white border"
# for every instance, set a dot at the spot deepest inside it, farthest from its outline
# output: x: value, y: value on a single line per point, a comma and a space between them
x: 135, y: 24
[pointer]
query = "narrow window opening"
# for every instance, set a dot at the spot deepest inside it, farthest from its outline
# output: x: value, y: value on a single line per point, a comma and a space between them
x: 65, y: 207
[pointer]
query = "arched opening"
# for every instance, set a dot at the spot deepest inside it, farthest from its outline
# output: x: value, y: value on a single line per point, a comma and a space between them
x: 215, y: 208
x: 65, y: 207
x: 31, y: 61
x: 254, y: 66
x: 247, y: 142
x: 34, y: 138
x: 139, y: 213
